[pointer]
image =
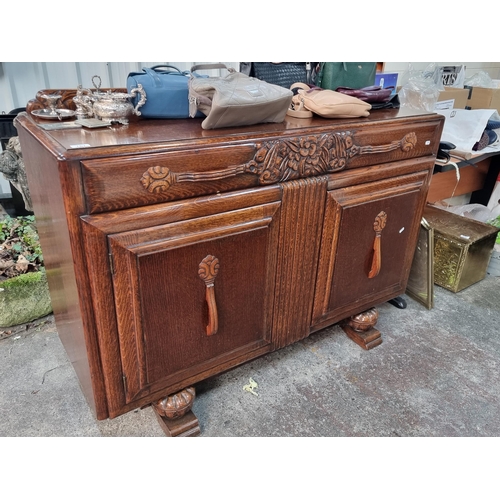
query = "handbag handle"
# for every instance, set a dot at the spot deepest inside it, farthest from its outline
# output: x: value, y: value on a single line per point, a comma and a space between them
x: 211, y: 66
x: 157, y: 82
x: 164, y: 66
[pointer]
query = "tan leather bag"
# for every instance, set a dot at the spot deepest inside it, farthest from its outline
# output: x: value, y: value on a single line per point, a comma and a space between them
x: 328, y: 103
x: 235, y: 99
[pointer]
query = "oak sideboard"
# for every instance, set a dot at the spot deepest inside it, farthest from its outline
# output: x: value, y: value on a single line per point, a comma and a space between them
x: 175, y: 253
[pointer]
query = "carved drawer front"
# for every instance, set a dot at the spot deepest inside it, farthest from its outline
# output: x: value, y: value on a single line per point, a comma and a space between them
x: 192, y: 296
x: 367, y: 245
x: 117, y: 183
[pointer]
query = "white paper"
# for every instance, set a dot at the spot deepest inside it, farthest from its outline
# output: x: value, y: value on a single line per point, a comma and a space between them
x: 464, y: 127
x: 440, y: 105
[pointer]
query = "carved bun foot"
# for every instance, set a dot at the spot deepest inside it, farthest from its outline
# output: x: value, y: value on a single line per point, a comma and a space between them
x: 175, y: 415
x: 360, y: 329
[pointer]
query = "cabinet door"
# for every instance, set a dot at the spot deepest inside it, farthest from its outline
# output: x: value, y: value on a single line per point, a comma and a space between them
x: 191, y: 297
x: 367, y: 246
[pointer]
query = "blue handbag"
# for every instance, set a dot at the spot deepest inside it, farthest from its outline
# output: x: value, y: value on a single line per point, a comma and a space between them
x: 166, y: 91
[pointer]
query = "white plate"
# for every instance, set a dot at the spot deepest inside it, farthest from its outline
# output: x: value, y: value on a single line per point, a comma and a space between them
x: 49, y: 114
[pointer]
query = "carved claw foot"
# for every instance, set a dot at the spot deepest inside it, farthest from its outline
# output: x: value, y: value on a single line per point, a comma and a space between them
x: 360, y: 329
x: 175, y: 415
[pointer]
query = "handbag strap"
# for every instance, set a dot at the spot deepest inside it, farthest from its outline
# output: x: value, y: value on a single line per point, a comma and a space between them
x: 164, y: 66
x: 210, y: 66
x: 154, y: 75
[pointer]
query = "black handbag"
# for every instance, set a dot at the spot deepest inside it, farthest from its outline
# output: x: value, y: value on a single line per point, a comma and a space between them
x: 284, y: 74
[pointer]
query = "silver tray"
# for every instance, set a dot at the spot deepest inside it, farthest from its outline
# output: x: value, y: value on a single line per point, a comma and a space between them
x: 53, y: 114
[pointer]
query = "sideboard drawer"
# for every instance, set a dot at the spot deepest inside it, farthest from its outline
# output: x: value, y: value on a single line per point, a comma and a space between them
x: 125, y: 182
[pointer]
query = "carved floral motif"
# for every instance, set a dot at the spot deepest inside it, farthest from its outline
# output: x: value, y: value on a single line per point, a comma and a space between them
x: 282, y: 160
x: 208, y: 269
x: 157, y: 179
x: 380, y: 222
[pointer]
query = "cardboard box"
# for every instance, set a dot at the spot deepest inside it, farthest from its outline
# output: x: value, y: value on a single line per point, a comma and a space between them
x: 458, y: 95
x: 462, y: 248
x: 481, y: 98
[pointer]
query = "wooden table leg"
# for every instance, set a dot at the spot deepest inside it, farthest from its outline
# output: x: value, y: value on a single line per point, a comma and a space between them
x: 175, y: 416
x: 360, y: 328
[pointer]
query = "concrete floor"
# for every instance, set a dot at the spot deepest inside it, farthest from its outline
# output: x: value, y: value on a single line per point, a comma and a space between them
x: 437, y: 373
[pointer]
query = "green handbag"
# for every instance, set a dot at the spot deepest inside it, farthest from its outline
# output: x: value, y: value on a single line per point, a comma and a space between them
x: 355, y: 75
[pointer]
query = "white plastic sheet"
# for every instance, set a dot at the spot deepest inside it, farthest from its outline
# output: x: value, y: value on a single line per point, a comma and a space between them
x: 464, y: 127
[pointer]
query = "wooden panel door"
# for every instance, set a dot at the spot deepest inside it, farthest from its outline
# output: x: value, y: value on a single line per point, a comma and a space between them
x: 193, y: 295
x: 187, y: 297
x: 367, y: 245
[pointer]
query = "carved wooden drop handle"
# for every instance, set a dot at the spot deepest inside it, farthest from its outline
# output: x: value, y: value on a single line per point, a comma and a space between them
x: 378, y: 227
x: 207, y: 271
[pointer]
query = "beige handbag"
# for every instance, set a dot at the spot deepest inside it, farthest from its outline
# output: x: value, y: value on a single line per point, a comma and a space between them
x: 326, y: 103
x: 235, y: 99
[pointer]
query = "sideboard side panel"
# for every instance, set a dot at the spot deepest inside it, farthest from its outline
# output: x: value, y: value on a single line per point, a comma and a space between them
x: 54, y: 189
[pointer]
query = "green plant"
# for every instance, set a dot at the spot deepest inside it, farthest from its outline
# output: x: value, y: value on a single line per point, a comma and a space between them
x: 496, y: 222
x: 20, y: 250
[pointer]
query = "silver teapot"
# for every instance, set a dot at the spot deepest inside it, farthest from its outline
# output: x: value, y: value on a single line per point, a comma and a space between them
x: 108, y: 106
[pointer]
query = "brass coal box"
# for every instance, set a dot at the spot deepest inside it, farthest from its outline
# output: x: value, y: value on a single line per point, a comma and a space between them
x: 462, y: 248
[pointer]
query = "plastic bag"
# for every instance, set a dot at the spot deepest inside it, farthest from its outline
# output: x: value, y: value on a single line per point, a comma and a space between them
x: 419, y: 90
x: 480, y: 79
x: 472, y: 211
